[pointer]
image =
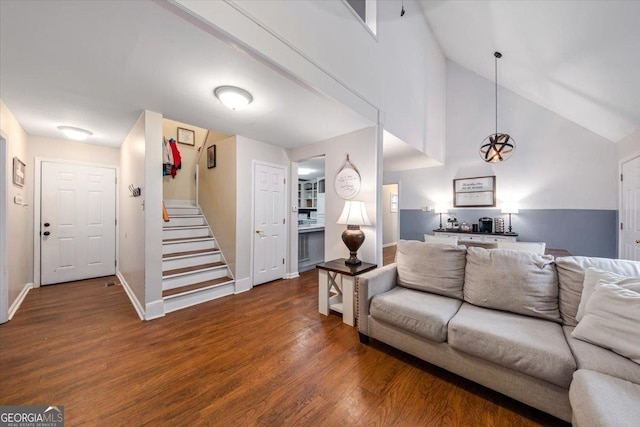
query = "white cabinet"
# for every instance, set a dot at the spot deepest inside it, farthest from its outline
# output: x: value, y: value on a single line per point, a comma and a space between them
x: 478, y: 237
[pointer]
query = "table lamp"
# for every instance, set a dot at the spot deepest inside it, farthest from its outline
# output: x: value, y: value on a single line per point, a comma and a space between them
x: 509, y: 208
x: 441, y: 209
x: 353, y: 216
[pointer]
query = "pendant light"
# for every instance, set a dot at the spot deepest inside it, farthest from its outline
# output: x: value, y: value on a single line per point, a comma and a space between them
x: 498, y: 146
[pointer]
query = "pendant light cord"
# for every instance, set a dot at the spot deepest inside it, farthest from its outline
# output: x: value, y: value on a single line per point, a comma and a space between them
x: 496, y: 80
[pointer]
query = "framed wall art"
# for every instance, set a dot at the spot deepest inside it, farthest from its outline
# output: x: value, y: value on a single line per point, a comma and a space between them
x: 18, y: 172
x: 211, y: 156
x: 479, y: 192
x: 186, y: 136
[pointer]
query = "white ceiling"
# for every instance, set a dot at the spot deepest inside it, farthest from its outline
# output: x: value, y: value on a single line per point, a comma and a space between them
x: 579, y: 59
x: 97, y: 65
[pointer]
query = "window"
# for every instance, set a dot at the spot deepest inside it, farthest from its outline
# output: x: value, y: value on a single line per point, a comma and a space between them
x: 366, y: 11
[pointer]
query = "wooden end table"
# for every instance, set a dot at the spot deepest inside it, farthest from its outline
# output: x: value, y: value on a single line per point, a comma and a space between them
x: 335, y: 276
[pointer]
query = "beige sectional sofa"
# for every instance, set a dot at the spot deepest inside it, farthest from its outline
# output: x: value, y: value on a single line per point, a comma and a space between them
x: 505, y: 319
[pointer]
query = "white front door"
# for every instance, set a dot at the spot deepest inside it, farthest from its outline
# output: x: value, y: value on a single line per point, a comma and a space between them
x: 77, y: 222
x: 630, y: 215
x: 269, y: 227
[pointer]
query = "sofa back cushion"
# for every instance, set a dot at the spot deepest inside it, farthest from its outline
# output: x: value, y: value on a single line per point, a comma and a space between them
x: 432, y: 267
x: 571, y: 277
x: 515, y: 281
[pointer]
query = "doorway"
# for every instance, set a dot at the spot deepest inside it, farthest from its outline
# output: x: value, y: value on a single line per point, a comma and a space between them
x: 311, y: 212
x: 4, y: 274
x: 630, y: 210
x: 269, y: 223
x: 77, y: 228
x: 390, y: 213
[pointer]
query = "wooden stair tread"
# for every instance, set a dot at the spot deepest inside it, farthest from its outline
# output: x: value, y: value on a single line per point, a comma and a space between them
x: 195, y: 286
x: 192, y: 268
x: 177, y: 239
x: 200, y: 251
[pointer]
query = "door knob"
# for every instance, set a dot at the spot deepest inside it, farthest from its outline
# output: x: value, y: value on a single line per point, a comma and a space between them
x: 638, y: 242
x: 46, y: 224
x: 258, y: 231
x: 46, y: 233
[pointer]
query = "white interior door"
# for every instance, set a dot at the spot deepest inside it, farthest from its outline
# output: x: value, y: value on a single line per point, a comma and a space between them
x: 4, y: 274
x: 269, y: 227
x: 77, y: 222
x: 630, y: 215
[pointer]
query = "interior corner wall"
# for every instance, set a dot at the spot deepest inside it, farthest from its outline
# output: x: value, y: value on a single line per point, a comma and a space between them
x: 563, y: 177
x: 247, y: 151
x: 217, y: 197
x: 629, y: 146
x: 131, y: 215
x: 183, y: 185
x: 362, y: 150
x: 17, y: 234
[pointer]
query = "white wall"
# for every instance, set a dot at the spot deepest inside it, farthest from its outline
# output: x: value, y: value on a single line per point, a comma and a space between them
x: 361, y: 147
x: 557, y: 164
x: 401, y: 71
x: 131, y: 224
x: 629, y: 146
x: 17, y: 233
x: 248, y: 151
x: 389, y: 219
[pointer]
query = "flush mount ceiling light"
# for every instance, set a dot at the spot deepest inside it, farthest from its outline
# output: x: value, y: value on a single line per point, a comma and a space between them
x: 74, y: 133
x: 498, y: 146
x: 304, y: 171
x: 232, y: 97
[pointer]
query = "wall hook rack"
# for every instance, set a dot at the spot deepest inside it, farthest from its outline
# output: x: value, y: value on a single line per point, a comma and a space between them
x: 135, y: 191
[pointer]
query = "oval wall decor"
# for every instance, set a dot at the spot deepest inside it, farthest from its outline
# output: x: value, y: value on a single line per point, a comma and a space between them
x: 347, y: 182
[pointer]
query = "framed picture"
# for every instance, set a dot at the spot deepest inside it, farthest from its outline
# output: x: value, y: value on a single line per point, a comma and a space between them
x: 186, y: 136
x: 18, y: 172
x: 211, y: 156
x: 476, y: 192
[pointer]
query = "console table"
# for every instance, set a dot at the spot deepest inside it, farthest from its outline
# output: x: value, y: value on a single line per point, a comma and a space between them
x: 340, y: 278
x: 466, y: 236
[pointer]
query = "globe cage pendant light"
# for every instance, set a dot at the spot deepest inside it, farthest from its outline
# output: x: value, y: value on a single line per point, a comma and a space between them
x: 497, y: 147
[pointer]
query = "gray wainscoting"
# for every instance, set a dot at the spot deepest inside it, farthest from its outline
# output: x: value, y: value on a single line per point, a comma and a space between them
x: 580, y: 231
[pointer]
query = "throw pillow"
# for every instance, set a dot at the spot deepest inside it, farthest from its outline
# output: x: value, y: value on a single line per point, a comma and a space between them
x: 516, y: 281
x: 593, y: 276
x: 432, y: 267
x: 612, y: 320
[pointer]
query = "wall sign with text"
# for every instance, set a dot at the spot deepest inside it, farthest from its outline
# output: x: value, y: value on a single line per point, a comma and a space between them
x: 476, y: 192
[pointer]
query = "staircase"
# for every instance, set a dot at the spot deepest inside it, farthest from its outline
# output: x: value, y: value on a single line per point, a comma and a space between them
x: 193, y: 268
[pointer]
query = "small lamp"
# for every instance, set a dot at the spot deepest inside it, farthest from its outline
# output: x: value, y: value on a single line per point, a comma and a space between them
x: 441, y: 209
x: 353, y: 215
x: 509, y: 208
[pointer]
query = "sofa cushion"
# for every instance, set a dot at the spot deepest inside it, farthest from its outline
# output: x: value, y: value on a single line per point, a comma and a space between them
x: 601, y: 400
x: 612, y: 320
x: 593, y: 276
x: 535, y: 347
x: 516, y: 281
x: 571, y: 278
x: 421, y: 313
x: 594, y: 358
x: 431, y: 267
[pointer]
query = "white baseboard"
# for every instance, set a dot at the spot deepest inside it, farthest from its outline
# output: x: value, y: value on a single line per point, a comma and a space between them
x: 291, y: 275
x: 154, y: 310
x: 132, y: 297
x: 243, y: 285
x: 16, y: 304
x: 390, y: 244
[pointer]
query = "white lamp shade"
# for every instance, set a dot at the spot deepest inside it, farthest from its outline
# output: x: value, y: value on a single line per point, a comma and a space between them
x: 354, y: 213
x: 441, y: 209
x: 509, y: 208
x: 232, y: 97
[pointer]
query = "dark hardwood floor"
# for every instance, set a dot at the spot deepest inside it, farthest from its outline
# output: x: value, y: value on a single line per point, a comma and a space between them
x: 264, y: 357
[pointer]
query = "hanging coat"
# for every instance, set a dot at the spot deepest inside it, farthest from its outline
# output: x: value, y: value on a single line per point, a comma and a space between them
x: 177, y: 160
x: 167, y: 157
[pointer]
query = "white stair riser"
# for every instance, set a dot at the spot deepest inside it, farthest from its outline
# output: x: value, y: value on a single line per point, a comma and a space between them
x: 190, y: 261
x: 182, y: 211
x: 184, y: 301
x: 193, y: 277
x: 172, y: 248
x: 181, y: 222
x: 185, y: 233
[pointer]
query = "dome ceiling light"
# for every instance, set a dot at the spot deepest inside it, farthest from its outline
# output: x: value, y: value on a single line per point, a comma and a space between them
x: 234, y: 98
x: 77, y: 134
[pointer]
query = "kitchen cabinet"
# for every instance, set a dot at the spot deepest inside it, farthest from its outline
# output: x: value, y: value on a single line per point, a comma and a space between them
x: 310, y: 247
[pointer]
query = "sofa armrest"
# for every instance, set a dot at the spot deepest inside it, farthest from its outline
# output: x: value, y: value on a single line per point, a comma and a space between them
x: 370, y: 284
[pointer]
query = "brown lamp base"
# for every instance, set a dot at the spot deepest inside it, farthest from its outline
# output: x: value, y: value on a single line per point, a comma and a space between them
x: 353, y: 238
